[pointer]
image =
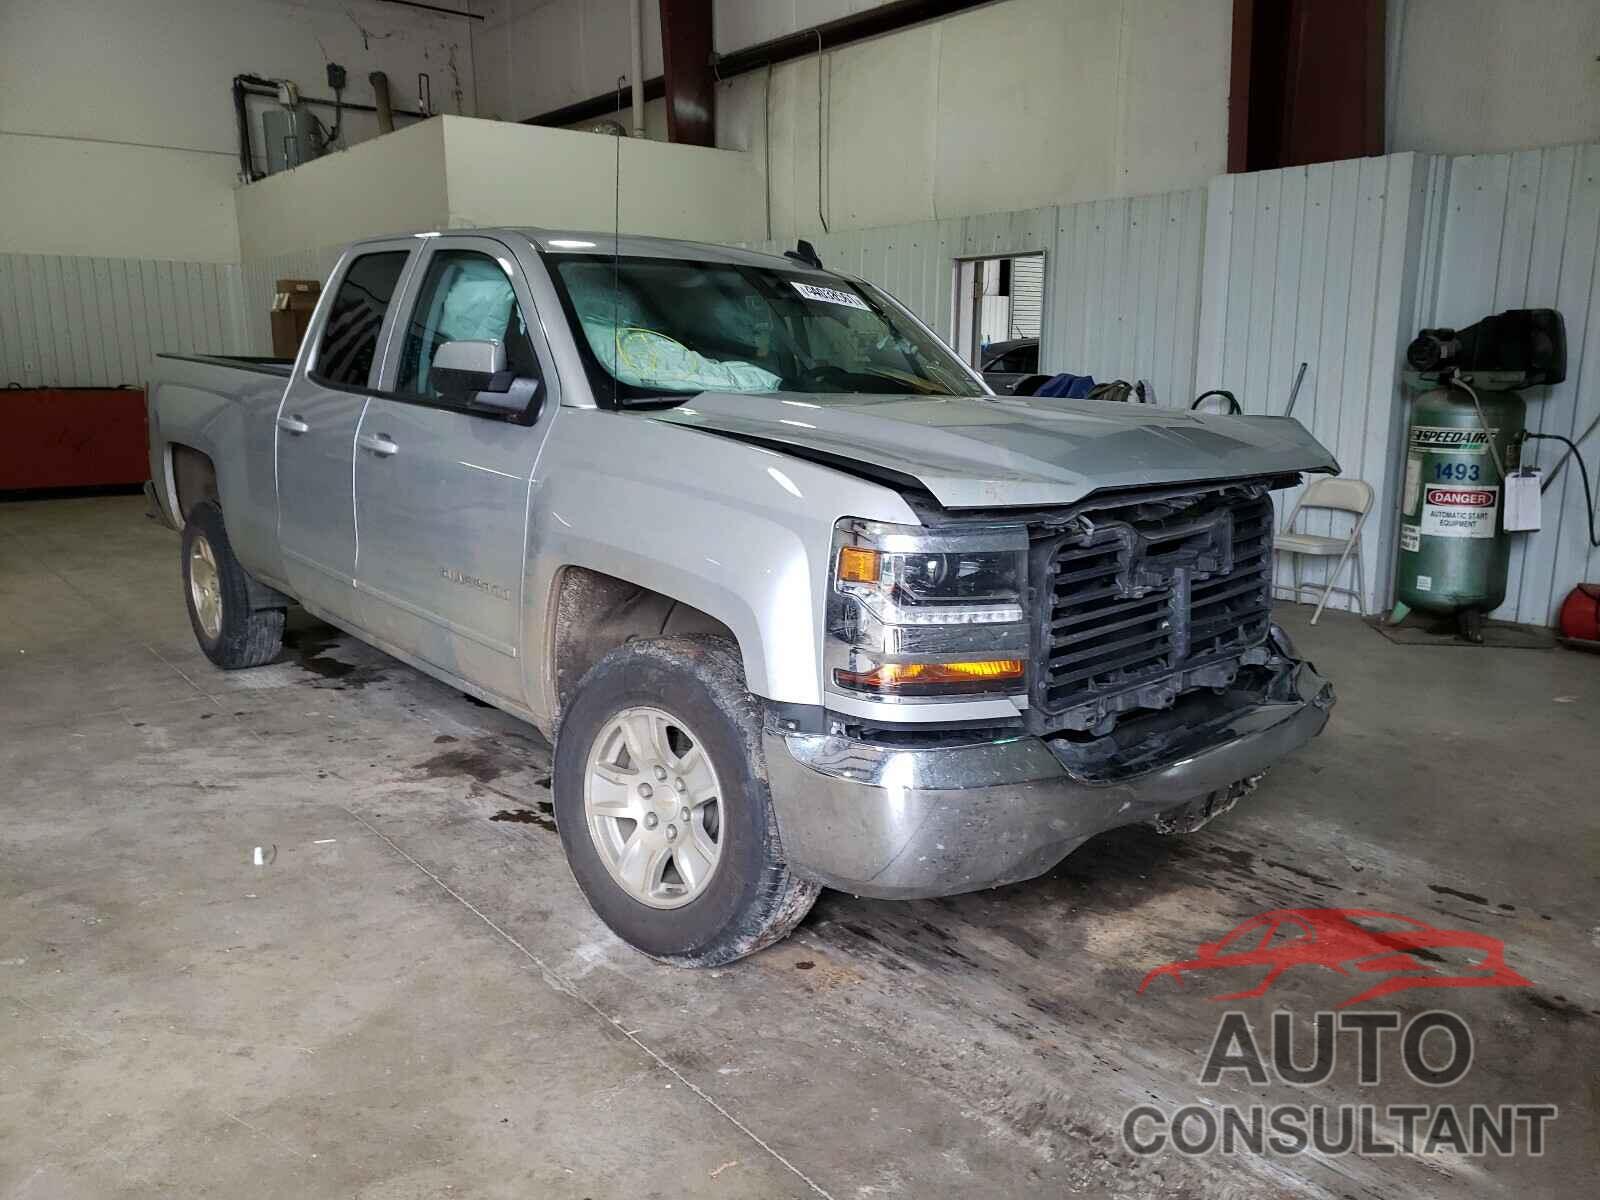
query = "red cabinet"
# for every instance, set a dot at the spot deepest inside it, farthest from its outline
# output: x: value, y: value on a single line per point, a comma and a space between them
x: 72, y: 437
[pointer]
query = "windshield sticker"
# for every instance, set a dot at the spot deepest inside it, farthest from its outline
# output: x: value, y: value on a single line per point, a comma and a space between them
x: 830, y: 295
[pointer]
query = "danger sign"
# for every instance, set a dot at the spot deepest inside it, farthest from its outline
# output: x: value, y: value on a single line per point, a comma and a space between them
x: 1460, y: 512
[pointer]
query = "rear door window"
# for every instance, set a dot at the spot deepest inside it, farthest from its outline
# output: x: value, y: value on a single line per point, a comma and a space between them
x: 350, y: 338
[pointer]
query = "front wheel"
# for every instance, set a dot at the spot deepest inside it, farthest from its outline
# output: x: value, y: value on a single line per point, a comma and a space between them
x: 217, y: 589
x: 661, y: 799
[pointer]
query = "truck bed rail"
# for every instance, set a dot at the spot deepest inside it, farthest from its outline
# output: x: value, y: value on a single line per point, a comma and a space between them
x: 282, y: 367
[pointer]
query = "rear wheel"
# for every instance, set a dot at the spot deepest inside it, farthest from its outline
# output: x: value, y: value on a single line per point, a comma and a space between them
x: 661, y: 799
x: 217, y: 591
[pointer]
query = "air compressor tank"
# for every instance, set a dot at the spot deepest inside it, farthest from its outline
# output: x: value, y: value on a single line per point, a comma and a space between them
x: 1465, y: 432
x: 1454, y: 551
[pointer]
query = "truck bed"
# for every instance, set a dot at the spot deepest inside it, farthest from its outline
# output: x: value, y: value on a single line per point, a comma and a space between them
x: 220, y: 411
x: 281, y: 367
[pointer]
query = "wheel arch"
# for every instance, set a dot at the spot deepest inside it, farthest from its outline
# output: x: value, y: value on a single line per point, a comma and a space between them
x: 591, y: 613
x: 194, y: 478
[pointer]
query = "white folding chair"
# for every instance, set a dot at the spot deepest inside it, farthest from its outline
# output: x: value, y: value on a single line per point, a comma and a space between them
x: 1352, y: 496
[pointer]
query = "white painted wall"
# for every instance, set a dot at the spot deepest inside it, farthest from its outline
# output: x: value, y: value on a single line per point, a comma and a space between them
x: 394, y: 184
x: 742, y: 23
x: 116, y: 116
x: 1009, y: 106
x: 502, y: 174
x: 459, y: 172
x: 532, y: 56
x: 1469, y: 76
x: 1005, y: 107
x: 69, y: 196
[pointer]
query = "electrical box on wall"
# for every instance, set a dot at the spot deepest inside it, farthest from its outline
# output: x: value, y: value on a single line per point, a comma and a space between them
x: 285, y: 132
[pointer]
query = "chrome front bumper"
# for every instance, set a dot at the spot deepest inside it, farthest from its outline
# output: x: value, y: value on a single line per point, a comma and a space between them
x: 898, y: 823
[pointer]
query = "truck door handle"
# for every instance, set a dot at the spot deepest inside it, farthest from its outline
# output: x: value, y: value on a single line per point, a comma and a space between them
x: 379, y: 443
x: 292, y: 424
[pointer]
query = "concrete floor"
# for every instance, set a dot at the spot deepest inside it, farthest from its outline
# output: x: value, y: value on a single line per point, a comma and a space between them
x: 411, y: 998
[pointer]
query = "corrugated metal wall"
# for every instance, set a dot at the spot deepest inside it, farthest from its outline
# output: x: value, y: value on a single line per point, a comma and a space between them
x: 1521, y: 231
x: 1319, y: 264
x: 1122, y: 278
x: 97, y: 322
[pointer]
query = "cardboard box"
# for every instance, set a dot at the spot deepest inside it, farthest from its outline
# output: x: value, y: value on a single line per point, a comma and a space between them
x: 293, y: 301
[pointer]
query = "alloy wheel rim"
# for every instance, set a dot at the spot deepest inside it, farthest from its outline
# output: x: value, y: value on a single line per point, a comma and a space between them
x: 205, y: 587
x: 653, y: 805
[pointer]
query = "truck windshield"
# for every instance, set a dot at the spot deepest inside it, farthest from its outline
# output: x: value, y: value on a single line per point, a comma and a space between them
x: 660, y: 328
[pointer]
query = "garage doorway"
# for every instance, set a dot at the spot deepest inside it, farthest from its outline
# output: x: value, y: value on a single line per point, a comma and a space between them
x: 998, y: 314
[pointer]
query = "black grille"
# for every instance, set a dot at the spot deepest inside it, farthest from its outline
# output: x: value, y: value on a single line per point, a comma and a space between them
x: 1137, y: 610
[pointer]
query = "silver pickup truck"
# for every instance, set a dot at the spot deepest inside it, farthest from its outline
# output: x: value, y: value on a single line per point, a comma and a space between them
x: 798, y: 600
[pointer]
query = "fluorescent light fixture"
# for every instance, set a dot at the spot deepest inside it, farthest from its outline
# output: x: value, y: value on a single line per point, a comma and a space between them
x: 425, y: 235
x: 569, y: 244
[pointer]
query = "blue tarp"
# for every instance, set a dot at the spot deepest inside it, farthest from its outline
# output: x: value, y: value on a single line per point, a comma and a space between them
x: 1067, y: 387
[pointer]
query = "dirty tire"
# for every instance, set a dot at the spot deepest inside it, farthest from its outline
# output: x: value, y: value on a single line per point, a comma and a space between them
x: 752, y: 899
x: 247, y: 637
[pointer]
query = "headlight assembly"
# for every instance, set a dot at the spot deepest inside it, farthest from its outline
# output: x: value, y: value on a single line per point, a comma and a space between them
x: 914, y: 613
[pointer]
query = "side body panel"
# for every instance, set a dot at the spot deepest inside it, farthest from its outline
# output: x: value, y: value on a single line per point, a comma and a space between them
x: 740, y: 533
x: 316, y: 432
x: 442, y: 511
x: 227, y: 414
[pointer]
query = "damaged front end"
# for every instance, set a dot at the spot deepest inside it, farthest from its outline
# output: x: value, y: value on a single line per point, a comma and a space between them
x: 909, y: 818
x: 1159, y: 692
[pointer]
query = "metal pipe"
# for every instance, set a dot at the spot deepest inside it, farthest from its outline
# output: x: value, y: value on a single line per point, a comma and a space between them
x: 241, y: 114
x: 380, y: 93
x: 871, y: 22
x: 636, y: 68
x: 434, y: 8
x: 265, y: 87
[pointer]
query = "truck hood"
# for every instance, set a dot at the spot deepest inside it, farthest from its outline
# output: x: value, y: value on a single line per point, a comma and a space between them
x: 983, y: 452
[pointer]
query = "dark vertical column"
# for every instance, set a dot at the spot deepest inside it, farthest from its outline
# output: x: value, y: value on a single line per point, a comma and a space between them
x: 1307, y: 82
x: 686, y: 59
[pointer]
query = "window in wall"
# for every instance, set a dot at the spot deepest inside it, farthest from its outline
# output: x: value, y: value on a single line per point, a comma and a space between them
x: 465, y: 296
x: 999, y: 311
x: 350, y: 339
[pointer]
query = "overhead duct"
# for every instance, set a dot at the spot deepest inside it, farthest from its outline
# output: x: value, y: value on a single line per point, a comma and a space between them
x: 380, y: 97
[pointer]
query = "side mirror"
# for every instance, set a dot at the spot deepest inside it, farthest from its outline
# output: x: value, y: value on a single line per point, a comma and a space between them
x: 467, y: 366
x: 521, y: 398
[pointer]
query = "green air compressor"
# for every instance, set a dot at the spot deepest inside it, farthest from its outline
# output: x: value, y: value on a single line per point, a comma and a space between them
x: 1465, y: 438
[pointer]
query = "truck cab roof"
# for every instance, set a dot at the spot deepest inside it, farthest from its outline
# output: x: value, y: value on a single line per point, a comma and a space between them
x: 571, y: 241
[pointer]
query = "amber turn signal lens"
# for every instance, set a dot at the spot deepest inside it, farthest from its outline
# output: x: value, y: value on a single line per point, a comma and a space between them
x: 858, y: 565
x: 889, y: 677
